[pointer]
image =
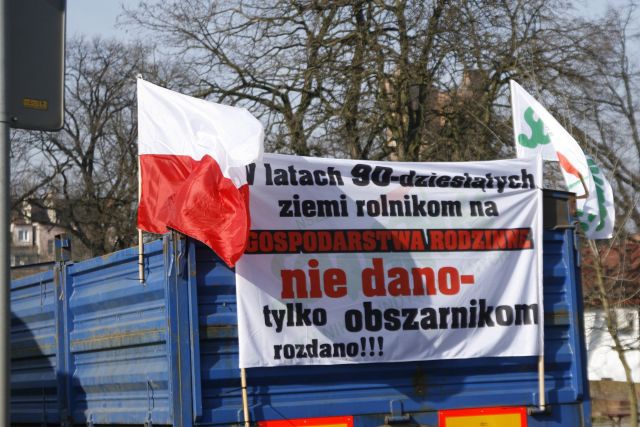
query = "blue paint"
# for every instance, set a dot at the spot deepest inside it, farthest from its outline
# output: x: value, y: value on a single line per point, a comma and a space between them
x: 90, y: 343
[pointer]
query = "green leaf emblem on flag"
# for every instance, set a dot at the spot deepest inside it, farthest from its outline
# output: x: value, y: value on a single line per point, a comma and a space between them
x: 538, y: 136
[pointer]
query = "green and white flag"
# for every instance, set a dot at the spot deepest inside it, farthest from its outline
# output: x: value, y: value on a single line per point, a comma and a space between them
x: 598, y: 214
x: 537, y: 131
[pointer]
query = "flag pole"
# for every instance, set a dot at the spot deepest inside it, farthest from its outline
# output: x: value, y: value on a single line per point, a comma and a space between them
x: 584, y: 186
x: 245, y: 399
x: 140, y: 241
x: 140, y: 257
x: 542, y: 401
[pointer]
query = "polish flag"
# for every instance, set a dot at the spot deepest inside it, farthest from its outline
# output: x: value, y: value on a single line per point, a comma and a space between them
x: 193, y: 155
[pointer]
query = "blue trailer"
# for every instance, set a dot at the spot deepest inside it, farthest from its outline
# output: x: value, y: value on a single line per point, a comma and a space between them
x: 93, y: 346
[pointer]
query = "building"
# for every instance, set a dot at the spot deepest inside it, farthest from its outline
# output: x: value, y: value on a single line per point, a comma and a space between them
x: 32, y: 231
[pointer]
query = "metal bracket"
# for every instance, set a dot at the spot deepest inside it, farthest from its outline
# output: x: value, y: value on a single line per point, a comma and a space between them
x: 147, y: 420
x: 576, y: 243
x: 575, y: 227
x: 396, y: 417
x: 240, y: 417
x: 42, y: 293
x: 65, y: 419
x: 537, y: 410
x: 182, y: 252
x: 62, y: 245
x: 179, y: 251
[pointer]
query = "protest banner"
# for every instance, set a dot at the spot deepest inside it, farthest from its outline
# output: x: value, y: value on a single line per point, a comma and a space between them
x: 365, y: 262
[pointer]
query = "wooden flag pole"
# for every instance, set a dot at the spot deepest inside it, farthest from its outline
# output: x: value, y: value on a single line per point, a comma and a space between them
x: 140, y: 240
x: 542, y: 401
x: 245, y: 399
x: 541, y: 388
x: 584, y: 185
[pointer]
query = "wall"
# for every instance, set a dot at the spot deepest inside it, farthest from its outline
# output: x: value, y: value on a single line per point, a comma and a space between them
x: 603, y: 360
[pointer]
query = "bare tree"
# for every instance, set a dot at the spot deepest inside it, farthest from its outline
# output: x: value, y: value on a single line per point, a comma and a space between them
x: 410, y: 80
x: 610, y: 105
x: 31, y: 172
x: 266, y: 55
x: 600, y: 100
x: 87, y: 172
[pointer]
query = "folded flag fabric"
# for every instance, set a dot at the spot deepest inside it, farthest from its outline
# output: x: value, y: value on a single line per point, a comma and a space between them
x: 537, y: 131
x: 193, y: 154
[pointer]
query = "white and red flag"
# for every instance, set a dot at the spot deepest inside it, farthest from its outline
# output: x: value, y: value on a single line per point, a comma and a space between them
x: 193, y: 155
x: 537, y: 131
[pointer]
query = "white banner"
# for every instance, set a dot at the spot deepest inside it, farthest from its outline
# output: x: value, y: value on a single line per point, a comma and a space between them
x: 365, y: 262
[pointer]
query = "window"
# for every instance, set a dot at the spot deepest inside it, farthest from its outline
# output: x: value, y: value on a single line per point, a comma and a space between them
x: 24, y: 236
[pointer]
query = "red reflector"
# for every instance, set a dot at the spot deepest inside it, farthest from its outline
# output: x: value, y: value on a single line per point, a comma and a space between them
x: 310, y: 422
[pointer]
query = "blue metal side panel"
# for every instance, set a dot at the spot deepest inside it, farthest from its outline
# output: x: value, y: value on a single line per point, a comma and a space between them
x: 194, y: 330
x: 167, y: 352
x: 118, y: 354
x: 219, y: 373
x: 33, y: 350
x: 368, y: 391
x: 177, y: 301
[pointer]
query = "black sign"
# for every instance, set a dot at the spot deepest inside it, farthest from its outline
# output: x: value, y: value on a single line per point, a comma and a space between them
x: 35, y: 63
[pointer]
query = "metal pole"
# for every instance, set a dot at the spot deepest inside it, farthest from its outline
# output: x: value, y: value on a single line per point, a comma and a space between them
x: 5, y: 284
x: 140, y: 258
